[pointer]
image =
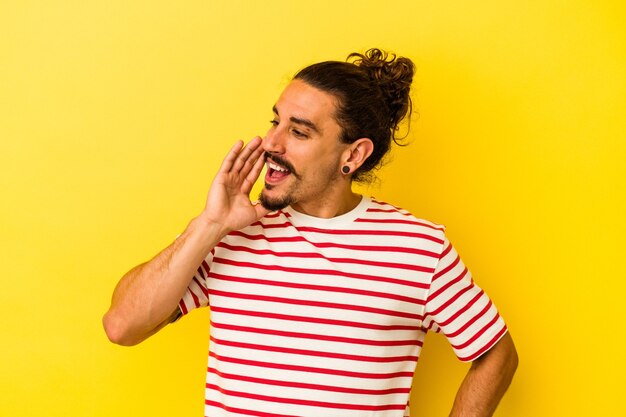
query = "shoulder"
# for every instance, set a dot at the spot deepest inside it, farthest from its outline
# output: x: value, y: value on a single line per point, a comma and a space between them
x: 403, y: 224
x: 393, y: 214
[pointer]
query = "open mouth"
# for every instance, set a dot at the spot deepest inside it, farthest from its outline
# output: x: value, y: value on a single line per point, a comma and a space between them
x: 275, y: 172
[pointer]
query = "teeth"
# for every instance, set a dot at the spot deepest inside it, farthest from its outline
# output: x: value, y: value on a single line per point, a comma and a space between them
x: 276, y: 167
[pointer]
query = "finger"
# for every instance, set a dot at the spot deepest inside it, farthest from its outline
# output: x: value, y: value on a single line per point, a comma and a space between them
x: 243, y: 156
x: 252, y: 176
x: 251, y: 161
x: 230, y: 158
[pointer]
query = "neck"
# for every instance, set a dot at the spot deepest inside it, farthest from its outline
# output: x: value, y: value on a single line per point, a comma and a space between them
x: 329, y: 206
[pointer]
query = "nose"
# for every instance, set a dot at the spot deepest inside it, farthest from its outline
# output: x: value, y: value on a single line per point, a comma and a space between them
x: 274, y: 141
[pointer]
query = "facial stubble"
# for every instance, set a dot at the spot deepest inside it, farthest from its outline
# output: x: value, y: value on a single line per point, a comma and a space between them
x: 277, y: 203
x: 290, y: 196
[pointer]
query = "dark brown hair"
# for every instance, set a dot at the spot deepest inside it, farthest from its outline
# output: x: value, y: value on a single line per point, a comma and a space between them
x: 372, y: 92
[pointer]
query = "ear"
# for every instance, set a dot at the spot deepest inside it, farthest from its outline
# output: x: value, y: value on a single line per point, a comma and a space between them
x: 357, y: 153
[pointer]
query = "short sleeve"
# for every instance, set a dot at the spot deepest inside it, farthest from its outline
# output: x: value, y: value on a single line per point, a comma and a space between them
x: 197, y: 293
x: 461, y: 310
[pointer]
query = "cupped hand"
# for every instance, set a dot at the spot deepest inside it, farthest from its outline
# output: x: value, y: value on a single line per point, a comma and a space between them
x: 228, y: 203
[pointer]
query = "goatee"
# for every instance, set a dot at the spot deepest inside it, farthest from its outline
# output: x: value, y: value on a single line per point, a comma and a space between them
x: 274, y: 204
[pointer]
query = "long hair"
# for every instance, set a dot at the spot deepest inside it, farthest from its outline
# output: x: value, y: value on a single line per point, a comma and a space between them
x: 372, y: 91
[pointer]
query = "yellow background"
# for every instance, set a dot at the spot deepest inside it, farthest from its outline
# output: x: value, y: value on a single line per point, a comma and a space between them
x: 114, y: 116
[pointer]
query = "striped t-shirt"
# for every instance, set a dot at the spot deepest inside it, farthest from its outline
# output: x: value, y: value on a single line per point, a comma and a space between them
x: 326, y: 317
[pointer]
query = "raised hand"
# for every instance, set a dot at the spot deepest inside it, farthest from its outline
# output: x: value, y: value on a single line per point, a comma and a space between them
x: 228, y: 203
x: 147, y: 296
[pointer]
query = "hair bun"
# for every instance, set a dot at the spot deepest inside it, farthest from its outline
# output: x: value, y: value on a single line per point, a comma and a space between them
x: 372, y: 97
x: 393, y: 76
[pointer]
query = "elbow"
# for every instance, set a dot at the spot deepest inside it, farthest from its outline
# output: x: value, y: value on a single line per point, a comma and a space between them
x: 501, y: 359
x: 510, y: 357
x: 512, y: 352
x: 513, y: 361
x: 117, y: 331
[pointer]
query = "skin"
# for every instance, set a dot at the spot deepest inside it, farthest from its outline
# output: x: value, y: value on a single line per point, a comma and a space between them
x: 304, y: 137
x: 146, y: 298
x: 486, y: 381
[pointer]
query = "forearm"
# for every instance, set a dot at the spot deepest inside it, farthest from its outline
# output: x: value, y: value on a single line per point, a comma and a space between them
x: 146, y: 297
x: 487, y: 381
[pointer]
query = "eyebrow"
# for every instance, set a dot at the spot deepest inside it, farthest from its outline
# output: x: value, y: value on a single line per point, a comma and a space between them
x: 301, y: 121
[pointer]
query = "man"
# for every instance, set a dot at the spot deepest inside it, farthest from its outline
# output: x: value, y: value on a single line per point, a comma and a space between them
x: 320, y: 298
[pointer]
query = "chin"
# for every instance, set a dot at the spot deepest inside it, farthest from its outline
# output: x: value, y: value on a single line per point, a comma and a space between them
x: 273, y: 203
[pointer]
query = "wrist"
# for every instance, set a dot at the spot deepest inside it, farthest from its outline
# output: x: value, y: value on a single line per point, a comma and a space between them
x: 207, y: 230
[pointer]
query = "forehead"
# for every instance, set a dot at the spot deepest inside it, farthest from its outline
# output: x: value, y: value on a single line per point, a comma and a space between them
x: 303, y: 101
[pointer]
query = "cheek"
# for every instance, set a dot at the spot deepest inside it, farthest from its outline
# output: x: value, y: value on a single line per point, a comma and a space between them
x: 314, y: 158
x: 326, y: 168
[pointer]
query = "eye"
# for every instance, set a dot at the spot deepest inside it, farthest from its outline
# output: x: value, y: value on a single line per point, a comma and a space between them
x: 274, y: 122
x: 299, y: 134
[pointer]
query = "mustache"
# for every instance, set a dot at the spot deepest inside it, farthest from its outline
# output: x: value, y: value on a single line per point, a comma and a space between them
x: 281, y: 161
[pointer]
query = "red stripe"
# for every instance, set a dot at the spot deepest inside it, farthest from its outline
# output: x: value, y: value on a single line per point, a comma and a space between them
x: 432, y: 324
x: 201, y: 272
x: 384, y: 203
x: 485, y: 348
x: 319, y: 387
x: 283, y: 225
x: 183, y: 307
x: 366, y: 248
x: 239, y: 233
x: 275, y: 214
x: 299, y: 368
x: 401, y: 211
x: 456, y: 280
x: 389, y: 221
x: 316, y: 255
x: 319, y: 320
x: 397, y: 221
x: 313, y: 287
x: 302, y: 335
x: 321, y: 354
x: 378, y: 210
x: 312, y: 271
x: 349, y: 232
x: 202, y: 287
x: 370, y: 232
x: 243, y: 410
x: 310, y: 403
x: 463, y: 309
x: 205, y: 265
x: 478, y: 334
x: 451, y: 300
x: 445, y: 251
x: 195, y: 298
x: 470, y: 322
x: 447, y: 268
x: 313, y: 303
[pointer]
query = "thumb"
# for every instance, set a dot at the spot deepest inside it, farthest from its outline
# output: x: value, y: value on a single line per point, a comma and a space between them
x: 260, y: 210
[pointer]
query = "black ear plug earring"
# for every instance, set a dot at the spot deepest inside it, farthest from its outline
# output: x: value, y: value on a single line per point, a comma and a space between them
x: 345, y: 169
